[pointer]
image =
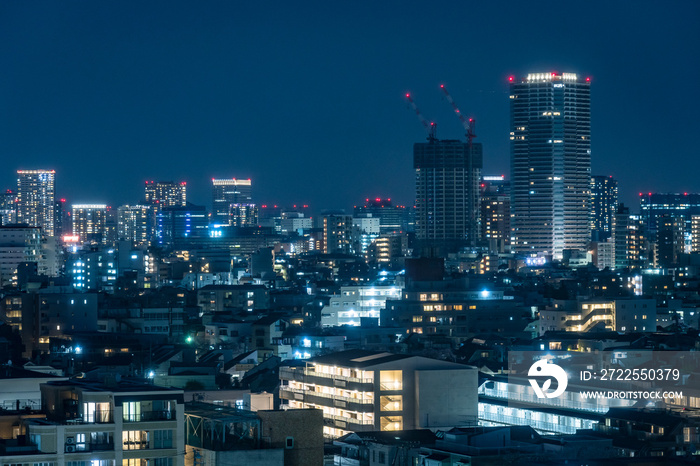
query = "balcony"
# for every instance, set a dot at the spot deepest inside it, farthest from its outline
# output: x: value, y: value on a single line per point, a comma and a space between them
x: 323, y: 399
x: 148, y: 416
x: 348, y: 423
x: 88, y: 447
x: 308, y: 375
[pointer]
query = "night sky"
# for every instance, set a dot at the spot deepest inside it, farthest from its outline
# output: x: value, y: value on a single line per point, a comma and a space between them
x: 307, y: 98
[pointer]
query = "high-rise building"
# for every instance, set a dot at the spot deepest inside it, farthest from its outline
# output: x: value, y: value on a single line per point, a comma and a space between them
x: 243, y: 215
x: 174, y: 224
x: 337, y: 234
x: 226, y: 192
x: 392, y: 217
x: 495, y: 213
x: 603, y: 207
x: 550, y: 163
x: 136, y: 223
x: 8, y: 207
x: 35, y: 199
x: 166, y: 193
x: 448, y: 173
x: 670, y: 242
x: 89, y: 222
x: 631, y: 250
x: 655, y: 205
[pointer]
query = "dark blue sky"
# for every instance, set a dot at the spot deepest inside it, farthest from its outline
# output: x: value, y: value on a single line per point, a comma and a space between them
x: 307, y: 98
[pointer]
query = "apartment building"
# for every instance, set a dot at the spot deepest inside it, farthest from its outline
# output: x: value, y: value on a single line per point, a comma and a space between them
x: 361, y: 390
x: 619, y: 315
x: 106, y: 423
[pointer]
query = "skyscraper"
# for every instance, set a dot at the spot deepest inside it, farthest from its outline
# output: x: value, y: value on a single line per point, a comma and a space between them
x: 550, y: 163
x: 226, y: 192
x: 35, y: 199
x: 166, y: 193
x: 603, y: 207
x: 89, y: 222
x: 495, y: 213
x: 447, y: 193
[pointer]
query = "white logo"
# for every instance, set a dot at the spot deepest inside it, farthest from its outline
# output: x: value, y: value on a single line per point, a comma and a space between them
x: 543, y: 369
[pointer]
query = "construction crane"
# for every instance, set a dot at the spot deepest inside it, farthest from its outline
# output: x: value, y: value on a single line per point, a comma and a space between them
x: 430, y: 127
x: 468, y: 123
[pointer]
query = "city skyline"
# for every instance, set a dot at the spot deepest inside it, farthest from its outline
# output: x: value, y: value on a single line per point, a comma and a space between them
x: 299, y: 100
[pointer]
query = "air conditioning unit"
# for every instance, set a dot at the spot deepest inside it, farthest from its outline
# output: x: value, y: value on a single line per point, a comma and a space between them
x: 70, y: 448
x: 70, y: 440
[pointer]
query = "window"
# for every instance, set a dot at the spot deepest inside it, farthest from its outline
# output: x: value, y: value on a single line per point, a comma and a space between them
x: 163, y: 462
x: 132, y: 411
x: 390, y: 380
x: 162, y: 439
x: 391, y: 403
x: 289, y: 442
x: 135, y: 439
x: 389, y: 423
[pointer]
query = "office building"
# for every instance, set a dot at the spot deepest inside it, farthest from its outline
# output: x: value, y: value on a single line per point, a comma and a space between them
x: 653, y: 206
x: 550, y: 163
x: 174, y: 224
x: 243, y: 215
x: 226, y: 192
x: 495, y: 213
x: 361, y: 391
x: 90, y: 222
x: 36, y: 199
x: 365, y: 231
x: 166, y: 193
x: 136, y: 223
x: 448, y: 173
x: 93, y: 269
x: 603, y: 207
x: 392, y: 217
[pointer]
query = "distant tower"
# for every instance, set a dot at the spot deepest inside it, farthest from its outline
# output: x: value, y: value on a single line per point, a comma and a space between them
x: 550, y: 163
x: 495, y: 213
x: 448, y: 173
x: 603, y: 207
x: 90, y: 222
x: 36, y: 199
x: 166, y: 194
x: 226, y: 192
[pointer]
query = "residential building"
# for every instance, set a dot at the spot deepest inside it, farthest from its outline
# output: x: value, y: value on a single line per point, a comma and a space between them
x: 165, y: 194
x: 362, y: 390
x: 448, y: 173
x: 585, y: 315
x: 337, y: 234
x: 495, y: 213
x: 629, y: 237
x: 8, y: 207
x: 356, y: 304
x: 90, y: 222
x: 36, y: 199
x: 104, y: 424
x: 136, y: 223
x: 177, y: 224
x: 603, y: 207
x: 18, y: 244
x: 550, y: 163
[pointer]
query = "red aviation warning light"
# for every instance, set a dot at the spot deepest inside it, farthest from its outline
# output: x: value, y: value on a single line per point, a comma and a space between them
x: 511, y: 79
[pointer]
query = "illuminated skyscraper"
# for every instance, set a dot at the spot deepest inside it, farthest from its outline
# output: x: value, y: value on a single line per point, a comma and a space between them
x: 166, y: 193
x: 136, y: 223
x: 226, y: 192
x: 35, y: 199
x: 89, y: 222
x: 447, y: 193
x: 550, y: 163
x: 495, y: 213
x: 603, y: 207
x: 8, y: 207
